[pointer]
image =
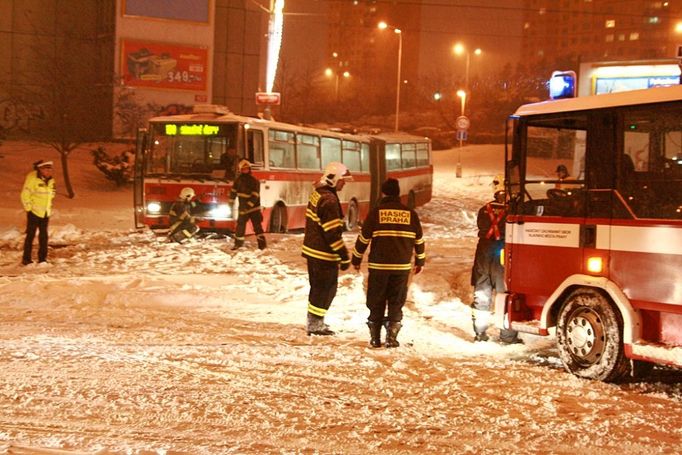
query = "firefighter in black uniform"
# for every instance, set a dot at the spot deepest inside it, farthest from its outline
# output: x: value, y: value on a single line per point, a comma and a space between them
x: 323, y: 245
x: 487, y: 274
x: 247, y: 188
x: 182, y: 223
x: 395, y: 231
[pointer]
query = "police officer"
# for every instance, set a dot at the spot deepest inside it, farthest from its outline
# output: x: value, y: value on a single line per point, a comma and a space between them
x: 394, y: 231
x: 36, y: 196
x: 183, y: 225
x: 247, y: 188
x: 487, y: 275
x: 323, y: 245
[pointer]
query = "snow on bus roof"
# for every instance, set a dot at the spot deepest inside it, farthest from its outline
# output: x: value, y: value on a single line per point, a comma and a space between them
x: 629, y: 98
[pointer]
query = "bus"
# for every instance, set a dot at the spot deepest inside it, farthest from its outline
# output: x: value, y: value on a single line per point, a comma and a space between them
x: 180, y: 151
x: 597, y: 257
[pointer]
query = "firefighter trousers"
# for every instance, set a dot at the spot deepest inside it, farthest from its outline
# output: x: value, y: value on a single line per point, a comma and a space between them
x: 323, y: 277
x: 256, y: 218
x: 386, y: 289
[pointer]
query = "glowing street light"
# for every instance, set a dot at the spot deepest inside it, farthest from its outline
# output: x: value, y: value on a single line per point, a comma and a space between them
x: 463, y: 95
x: 336, y: 75
x: 383, y: 26
x: 459, y: 49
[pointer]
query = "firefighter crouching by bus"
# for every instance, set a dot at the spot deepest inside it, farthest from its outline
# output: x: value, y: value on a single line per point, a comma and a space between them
x: 182, y: 223
x: 247, y: 188
x: 323, y: 245
x: 487, y: 274
x: 394, y: 231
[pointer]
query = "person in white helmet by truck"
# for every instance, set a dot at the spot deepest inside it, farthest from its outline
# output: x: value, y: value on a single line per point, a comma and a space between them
x: 182, y: 223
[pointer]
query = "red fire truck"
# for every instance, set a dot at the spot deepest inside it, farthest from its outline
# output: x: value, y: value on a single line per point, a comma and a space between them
x: 595, y: 257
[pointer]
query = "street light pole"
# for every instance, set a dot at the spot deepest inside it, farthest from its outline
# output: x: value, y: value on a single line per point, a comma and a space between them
x: 397, y: 31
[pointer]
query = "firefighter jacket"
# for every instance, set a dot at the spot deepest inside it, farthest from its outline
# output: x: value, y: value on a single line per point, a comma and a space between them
x: 180, y: 211
x: 490, y: 221
x: 395, y: 231
x: 324, y: 227
x: 247, y: 188
x: 37, y: 194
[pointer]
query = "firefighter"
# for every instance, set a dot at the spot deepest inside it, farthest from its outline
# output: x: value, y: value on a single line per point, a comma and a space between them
x: 36, y: 197
x: 323, y: 245
x: 246, y: 187
x: 394, y: 231
x: 487, y: 275
x: 183, y: 225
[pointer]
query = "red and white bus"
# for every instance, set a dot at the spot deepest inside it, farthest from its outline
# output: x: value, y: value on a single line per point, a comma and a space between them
x: 597, y: 257
x: 181, y: 151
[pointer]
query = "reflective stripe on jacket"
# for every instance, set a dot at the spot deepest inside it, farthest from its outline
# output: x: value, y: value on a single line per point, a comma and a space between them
x: 246, y: 187
x: 324, y: 227
x: 394, y: 231
x: 37, y: 195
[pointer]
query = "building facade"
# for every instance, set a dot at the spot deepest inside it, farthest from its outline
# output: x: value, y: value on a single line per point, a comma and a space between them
x: 102, y: 67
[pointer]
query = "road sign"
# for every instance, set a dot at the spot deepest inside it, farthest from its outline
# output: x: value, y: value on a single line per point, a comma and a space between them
x: 268, y: 98
x: 463, y: 122
x: 462, y: 135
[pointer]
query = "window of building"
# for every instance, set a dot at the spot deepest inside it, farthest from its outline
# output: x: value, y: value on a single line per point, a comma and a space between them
x: 610, y: 23
x: 634, y: 36
x: 654, y: 20
x: 609, y: 38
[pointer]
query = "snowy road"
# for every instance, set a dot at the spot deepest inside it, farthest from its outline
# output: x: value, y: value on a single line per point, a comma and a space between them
x: 128, y: 345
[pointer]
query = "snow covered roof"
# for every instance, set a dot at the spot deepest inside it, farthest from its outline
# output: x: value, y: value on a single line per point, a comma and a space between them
x: 634, y: 97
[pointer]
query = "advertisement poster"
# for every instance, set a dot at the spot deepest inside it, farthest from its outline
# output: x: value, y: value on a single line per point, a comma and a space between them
x: 179, y: 10
x: 163, y: 65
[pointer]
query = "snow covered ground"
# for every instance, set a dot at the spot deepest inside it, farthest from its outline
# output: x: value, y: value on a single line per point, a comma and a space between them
x: 126, y: 344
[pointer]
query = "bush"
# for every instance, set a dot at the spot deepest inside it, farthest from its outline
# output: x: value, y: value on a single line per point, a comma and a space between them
x: 118, y: 168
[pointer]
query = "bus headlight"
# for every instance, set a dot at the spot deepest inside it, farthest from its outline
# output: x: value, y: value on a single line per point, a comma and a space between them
x: 221, y: 211
x: 154, y: 208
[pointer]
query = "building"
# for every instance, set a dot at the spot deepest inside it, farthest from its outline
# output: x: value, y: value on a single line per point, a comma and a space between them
x: 576, y: 31
x: 101, y: 67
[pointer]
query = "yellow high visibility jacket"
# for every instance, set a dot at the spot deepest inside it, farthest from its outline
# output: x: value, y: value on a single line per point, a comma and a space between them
x: 37, y: 195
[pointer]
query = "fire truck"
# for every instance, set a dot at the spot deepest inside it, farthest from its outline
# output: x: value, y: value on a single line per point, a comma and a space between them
x: 595, y: 257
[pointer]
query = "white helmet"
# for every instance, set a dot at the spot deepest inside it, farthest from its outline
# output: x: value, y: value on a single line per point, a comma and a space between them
x: 242, y: 164
x: 334, y: 172
x: 186, y: 194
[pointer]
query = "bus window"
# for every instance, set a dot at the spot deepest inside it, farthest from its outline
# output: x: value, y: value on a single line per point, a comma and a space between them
x: 282, y: 149
x: 393, y: 157
x: 422, y: 154
x: 364, y: 156
x: 351, y: 155
x: 216, y: 147
x: 254, y: 147
x: 308, y: 151
x: 409, y: 155
x: 331, y: 150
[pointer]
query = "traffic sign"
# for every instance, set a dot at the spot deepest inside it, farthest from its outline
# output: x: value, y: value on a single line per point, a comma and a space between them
x: 463, y: 122
x: 269, y: 98
x: 462, y: 135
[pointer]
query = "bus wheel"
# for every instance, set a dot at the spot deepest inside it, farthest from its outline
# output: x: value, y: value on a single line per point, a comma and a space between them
x: 352, y: 215
x: 411, y: 200
x: 278, y: 219
x: 589, y: 337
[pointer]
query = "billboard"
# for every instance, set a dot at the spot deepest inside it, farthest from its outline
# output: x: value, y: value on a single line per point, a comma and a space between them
x: 163, y: 65
x: 179, y: 10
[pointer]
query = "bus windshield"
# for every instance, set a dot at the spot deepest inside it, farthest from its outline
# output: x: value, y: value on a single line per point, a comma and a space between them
x: 189, y: 148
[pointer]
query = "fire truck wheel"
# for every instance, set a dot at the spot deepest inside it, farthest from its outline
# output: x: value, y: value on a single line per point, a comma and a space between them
x: 590, y: 337
x: 352, y: 215
x: 278, y: 219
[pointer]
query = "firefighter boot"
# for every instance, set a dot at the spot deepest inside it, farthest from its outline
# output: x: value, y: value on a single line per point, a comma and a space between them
x: 392, y: 334
x: 238, y: 244
x: 374, y: 334
x: 481, y: 322
x: 316, y: 326
x: 261, y: 242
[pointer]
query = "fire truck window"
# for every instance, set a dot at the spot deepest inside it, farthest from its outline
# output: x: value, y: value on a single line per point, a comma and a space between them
x: 351, y: 155
x: 422, y: 154
x: 392, y: 157
x: 308, y: 151
x: 331, y: 150
x: 409, y: 155
x: 282, y: 149
x: 652, y: 184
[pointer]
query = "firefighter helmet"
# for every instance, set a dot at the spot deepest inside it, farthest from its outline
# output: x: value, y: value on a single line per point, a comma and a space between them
x: 498, y: 183
x: 334, y: 172
x: 242, y: 164
x: 187, y: 194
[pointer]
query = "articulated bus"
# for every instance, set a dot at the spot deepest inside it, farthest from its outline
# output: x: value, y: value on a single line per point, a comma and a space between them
x: 181, y: 151
x: 597, y: 256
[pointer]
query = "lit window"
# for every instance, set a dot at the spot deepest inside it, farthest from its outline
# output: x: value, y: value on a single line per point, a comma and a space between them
x: 526, y: 26
x: 610, y: 23
x: 621, y: 37
x: 654, y: 20
x: 634, y: 36
x: 609, y: 38
x: 542, y: 11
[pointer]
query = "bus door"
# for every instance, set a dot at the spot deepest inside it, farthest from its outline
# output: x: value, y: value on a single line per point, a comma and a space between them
x: 547, y: 210
x: 377, y: 168
x: 138, y: 177
x: 254, y: 148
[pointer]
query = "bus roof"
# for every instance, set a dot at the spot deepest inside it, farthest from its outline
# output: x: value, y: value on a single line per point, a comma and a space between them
x: 629, y: 98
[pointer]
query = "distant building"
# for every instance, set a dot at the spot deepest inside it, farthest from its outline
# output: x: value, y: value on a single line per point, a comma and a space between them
x: 105, y: 65
x: 600, y: 30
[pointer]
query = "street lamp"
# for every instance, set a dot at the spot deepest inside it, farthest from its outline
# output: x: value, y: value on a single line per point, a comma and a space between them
x: 383, y: 26
x: 336, y: 75
x: 459, y: 49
